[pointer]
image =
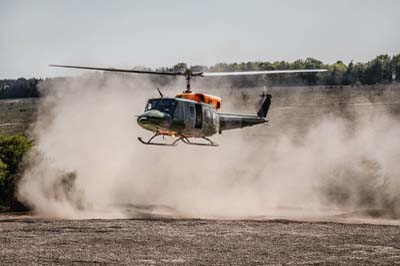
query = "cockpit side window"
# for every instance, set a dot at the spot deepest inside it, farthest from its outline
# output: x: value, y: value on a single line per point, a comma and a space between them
x: 161, y: 104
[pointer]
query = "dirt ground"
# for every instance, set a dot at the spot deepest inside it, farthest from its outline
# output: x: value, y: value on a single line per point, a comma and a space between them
x: 29, y: 240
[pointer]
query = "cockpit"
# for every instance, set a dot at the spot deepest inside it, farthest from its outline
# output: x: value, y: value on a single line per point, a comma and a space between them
x: 164, y: 105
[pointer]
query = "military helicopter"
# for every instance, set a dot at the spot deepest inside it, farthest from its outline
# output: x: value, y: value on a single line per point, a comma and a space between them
x: 193, y: 115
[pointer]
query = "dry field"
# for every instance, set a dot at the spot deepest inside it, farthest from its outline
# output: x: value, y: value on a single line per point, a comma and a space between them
x: 16, y: 115
x: 27, y: 240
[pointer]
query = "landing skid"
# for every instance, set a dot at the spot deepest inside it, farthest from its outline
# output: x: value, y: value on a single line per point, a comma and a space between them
x: 175, y: 142
x: 210, y: 142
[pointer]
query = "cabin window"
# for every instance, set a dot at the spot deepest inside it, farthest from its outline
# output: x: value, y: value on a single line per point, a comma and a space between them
x: 207, y: 115
x: 179, y: 111
x: 191, y: 110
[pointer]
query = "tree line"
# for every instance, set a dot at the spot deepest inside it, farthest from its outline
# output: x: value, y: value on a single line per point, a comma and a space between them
x: 19, y: 88
x: 382, y: 69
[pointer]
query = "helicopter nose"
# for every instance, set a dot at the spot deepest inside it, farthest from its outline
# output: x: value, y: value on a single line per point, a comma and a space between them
x: 152, y: 119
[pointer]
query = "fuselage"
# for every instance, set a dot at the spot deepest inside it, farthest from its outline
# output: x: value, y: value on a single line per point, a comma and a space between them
x: 183, y: 117
x: 177, y: 116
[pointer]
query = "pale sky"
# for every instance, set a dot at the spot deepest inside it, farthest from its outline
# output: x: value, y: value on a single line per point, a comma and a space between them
x: 149, y: 33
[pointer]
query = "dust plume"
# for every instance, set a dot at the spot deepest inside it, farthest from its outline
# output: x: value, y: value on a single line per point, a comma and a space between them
x: 87, y: 162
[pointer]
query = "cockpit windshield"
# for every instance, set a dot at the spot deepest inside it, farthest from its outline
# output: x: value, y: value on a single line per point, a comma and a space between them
x: 164, y: 105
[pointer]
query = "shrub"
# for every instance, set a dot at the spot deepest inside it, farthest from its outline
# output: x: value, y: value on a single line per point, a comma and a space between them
x: 12, y: 150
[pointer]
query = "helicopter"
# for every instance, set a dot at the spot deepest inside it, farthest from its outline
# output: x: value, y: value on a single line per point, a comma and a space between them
x: 191, y: 115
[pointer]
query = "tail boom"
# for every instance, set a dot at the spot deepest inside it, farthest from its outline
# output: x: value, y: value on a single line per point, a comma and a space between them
x: 231, y: 121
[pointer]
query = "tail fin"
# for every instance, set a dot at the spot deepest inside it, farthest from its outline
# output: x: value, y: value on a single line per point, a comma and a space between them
x: 262, y: 113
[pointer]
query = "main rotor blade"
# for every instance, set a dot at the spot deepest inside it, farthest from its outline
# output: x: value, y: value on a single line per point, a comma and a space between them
x: 261, y: 72
x: 122, y: 70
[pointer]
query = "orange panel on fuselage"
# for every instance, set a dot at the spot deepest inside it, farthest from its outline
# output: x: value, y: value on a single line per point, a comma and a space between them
x: 214, y: 101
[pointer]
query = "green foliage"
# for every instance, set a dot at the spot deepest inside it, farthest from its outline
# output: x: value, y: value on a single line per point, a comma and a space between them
x: 3, y: 172
x: 378, y: 70
x: 336, y: 74
x: 180, y: 67
x: 349, y: 76
x: 395, y: 64
x: 12, y: 150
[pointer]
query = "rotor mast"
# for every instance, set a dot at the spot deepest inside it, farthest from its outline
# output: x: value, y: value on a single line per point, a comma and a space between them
x: 188, y: 76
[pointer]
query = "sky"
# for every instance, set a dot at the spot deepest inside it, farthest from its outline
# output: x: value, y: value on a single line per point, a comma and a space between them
x: 34, y: 34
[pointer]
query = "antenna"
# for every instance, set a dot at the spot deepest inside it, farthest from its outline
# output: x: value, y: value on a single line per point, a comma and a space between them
x: 162, y: 96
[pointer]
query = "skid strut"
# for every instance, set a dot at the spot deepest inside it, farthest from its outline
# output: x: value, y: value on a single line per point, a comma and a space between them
x: 149, y: 142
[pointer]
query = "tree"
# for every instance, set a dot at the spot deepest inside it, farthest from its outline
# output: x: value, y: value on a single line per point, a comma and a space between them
x: 312, y: 78
x: 395, y: 66
x: 359, y: 72
x: 180, y: 67
x: 335, y: 74
x: 350, y: 77
x: 378, y: 70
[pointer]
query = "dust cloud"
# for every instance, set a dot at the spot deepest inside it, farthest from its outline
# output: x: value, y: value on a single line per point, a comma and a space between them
x: 87, y: 162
